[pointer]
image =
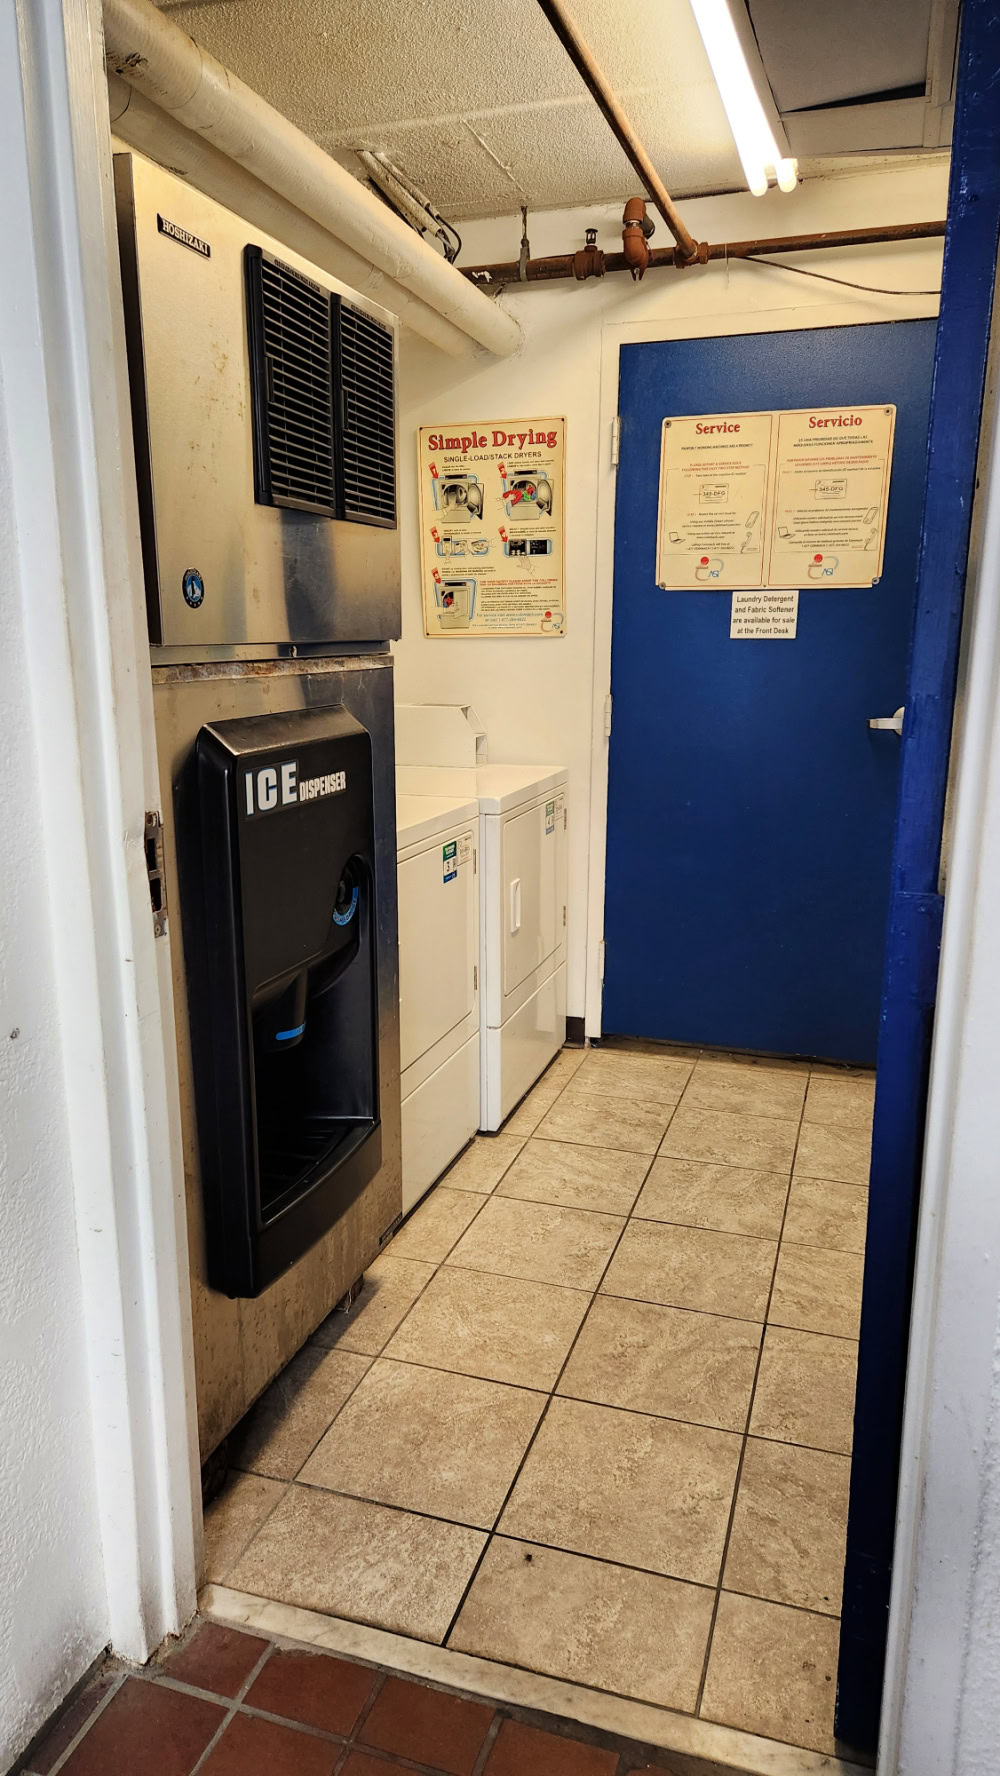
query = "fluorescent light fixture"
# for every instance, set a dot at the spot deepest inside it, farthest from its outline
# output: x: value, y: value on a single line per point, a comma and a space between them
x: 739, y: 75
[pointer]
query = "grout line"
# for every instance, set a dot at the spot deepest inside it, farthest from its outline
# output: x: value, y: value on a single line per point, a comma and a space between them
x: 543, y: 1416
x: 746, y: 1433
x: 255, y: 1532
x: 233, y: 1709
x: 88, y: 1723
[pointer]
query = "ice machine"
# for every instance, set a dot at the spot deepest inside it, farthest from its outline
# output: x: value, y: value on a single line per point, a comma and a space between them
x: 264, y: 423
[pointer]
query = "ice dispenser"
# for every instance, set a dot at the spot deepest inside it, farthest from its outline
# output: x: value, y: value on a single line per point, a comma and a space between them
x: 287, y: 1027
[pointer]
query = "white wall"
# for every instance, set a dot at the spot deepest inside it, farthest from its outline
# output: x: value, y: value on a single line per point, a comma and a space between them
x: 53, y: 1614
x: 538, y: 699
x: 942, y: 1713
x: 98, y: 1460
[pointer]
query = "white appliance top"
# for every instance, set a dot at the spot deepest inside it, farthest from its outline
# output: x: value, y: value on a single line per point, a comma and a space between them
x: 502, y: 787
x: 422, y: 816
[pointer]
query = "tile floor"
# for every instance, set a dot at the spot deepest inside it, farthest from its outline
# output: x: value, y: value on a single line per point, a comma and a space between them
x: 228, y: 1703
x: 591, y: 1414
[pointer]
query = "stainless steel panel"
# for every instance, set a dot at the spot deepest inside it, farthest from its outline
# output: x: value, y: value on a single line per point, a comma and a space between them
x: 241, y: 1345
x: 271, y: 575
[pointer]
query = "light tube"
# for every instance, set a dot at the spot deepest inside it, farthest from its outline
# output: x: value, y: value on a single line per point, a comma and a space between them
x: 753, y: 119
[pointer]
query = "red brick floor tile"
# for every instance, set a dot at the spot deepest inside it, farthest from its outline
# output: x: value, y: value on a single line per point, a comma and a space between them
x: 250, y: 1747
x: 412, y: 1721
x: 528, y: 1751
x: 146, y: 1730
x: 215, y: 1658
x: 69, y: 1723
x: 313, y: 1688
x: 366, y: 1763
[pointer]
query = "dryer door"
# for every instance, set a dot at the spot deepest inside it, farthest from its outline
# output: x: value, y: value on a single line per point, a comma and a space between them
x: 532, y: 919
x: 438, y: 941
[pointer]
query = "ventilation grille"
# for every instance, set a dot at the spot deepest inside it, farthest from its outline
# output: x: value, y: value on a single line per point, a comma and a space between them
x: 368, y: 441
x: 292, y: 357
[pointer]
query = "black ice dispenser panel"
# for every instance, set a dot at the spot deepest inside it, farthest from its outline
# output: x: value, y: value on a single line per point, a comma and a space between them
x: 288, y: 1057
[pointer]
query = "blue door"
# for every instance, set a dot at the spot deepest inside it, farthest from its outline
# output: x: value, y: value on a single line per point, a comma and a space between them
x: 750, y: 806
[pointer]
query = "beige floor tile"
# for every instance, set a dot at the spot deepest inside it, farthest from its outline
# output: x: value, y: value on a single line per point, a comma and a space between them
x: 593, y: 1120
x: 755, y: 1091
x: 436, y: 1224
x: 843, y: 1154
x: 805, y: 1390
x: 233, y: 1519
x: 500, y: 1328
x: 288, y: 1421
x: 448, y: 1445
x: 350, y: 1558
x: 567, y: 1062
x: 691, y: 1366
x: 723, y: 1273
x: 624, y: 1486
x: 482, y: 1165
x: 817, y: 1291
x: 649, y: 1079
x: 725, y: 1198
x: 531, y: 1109
x: 760, y: 1143
x: 577, y: 1177
x: 845, y: 1100
x: 588, y: 1622
x: 773, y: 1671
x: 790, y: 1526
x: 391, y: 1287
x: 539, y: 1241
x: 822, y: 1213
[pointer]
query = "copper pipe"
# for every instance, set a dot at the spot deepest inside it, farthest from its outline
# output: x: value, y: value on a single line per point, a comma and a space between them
x: 561, y: 265
x: 582, y: 57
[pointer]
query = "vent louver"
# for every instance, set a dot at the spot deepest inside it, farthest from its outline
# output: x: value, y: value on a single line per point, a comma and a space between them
x: 291, y: 357
x: 368, y: 419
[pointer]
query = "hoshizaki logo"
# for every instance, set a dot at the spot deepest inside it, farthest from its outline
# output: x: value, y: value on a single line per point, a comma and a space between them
x: 272, y: 787
x: 174, y: 231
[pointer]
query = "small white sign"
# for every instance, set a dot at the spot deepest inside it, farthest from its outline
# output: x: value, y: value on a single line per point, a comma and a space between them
x: 764, y: 616
x: 465, y: 848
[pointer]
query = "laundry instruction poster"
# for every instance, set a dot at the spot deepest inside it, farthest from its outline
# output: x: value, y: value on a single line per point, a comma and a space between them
x: 714, y: 480
x: 492, y: 508
x: 791, y: 498
x: 831, y: 496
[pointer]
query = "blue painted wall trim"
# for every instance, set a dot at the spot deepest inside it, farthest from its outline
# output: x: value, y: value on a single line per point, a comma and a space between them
x: 915, y: 905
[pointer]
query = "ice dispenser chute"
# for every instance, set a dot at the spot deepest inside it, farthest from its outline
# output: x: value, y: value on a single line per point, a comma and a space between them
x: 287, y: 1051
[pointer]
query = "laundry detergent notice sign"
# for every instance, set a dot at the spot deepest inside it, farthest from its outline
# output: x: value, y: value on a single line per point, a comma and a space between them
x: 790, y: 498
x: 492, y: 502
x: 764, y: 616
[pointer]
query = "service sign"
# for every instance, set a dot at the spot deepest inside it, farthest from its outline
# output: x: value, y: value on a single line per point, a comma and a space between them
x: 793, y: 498
x: 492, y: 505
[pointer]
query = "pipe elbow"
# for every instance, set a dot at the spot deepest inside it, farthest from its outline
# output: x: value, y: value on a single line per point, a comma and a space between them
x: 636, y: 229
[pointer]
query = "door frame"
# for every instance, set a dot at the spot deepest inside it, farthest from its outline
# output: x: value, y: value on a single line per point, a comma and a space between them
x: 795, y: 316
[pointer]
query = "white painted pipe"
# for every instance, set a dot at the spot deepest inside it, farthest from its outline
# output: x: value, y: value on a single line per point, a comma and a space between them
x: 156, y: 57
x: 142, y: 125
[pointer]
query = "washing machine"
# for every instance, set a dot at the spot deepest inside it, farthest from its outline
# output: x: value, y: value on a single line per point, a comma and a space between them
x: 437, y: 839
x: 522, y: 899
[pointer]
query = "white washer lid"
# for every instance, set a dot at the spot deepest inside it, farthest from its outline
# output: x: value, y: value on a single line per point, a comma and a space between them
x: 502, y: 787
x: 422, y: 816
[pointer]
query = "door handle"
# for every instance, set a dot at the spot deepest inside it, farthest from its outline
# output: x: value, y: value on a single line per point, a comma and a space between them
x: 893, y: 722
x: 515, y: 905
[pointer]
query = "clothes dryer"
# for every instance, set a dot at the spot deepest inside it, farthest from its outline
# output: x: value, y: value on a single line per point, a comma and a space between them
x: 439, y: 999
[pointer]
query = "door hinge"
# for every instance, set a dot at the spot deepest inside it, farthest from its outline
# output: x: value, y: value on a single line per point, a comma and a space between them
x: 608, y: 704
x: 600, y: 961
x: 616, y: 439
x: 153, y: 842
x: 475, y: 978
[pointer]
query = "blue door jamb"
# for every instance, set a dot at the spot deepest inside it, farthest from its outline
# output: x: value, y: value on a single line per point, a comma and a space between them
x: 915, y: 907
